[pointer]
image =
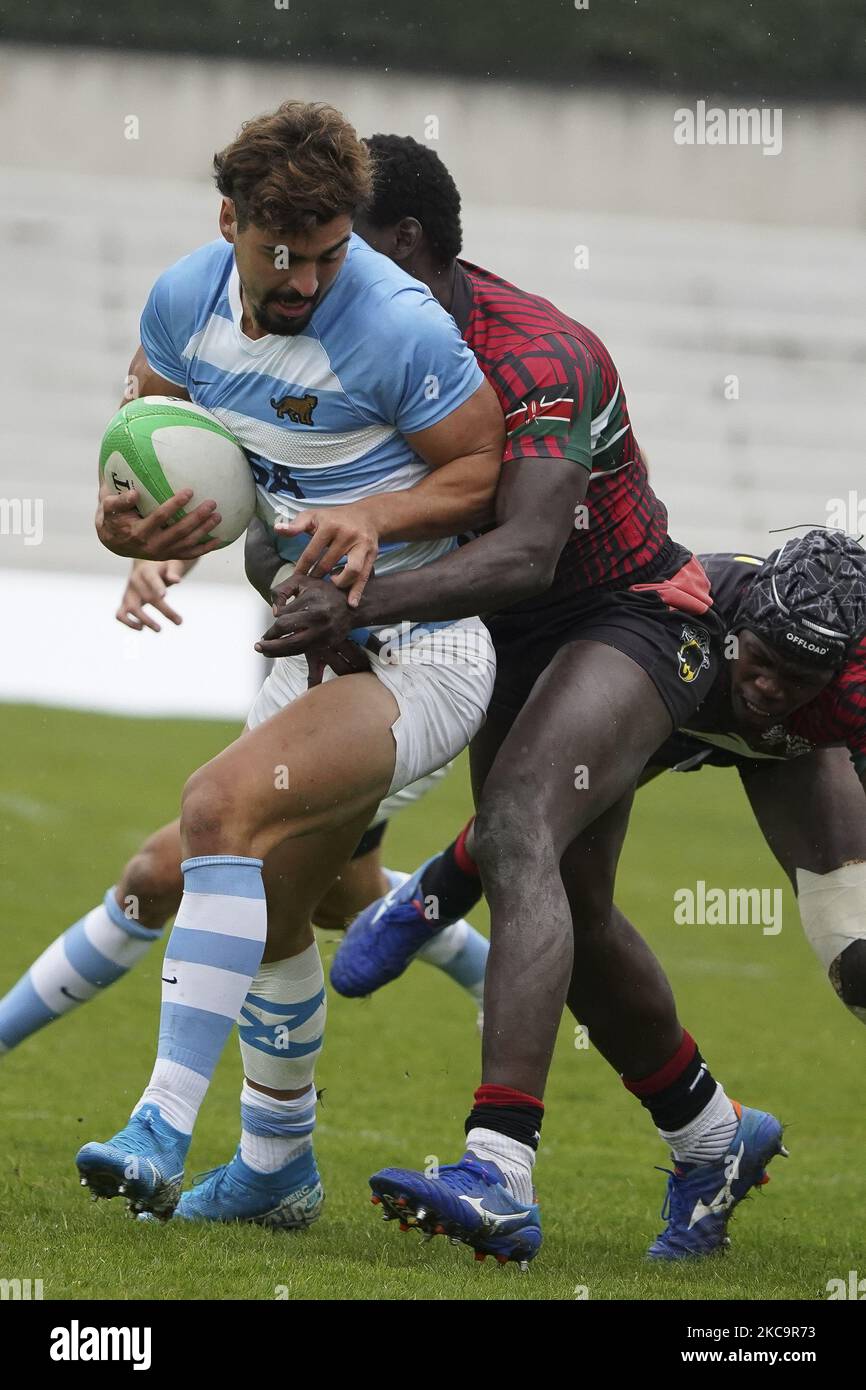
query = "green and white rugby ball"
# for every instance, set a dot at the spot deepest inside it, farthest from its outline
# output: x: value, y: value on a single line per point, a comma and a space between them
x: 160, y: 445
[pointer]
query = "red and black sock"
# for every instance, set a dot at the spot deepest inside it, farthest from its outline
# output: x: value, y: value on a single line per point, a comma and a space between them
x: 452, y: 881
x: 676, y: 1093
x: 509, y: 1112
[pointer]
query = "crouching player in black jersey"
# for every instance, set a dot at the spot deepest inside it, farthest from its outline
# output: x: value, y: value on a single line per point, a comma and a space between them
x: 789, y: 711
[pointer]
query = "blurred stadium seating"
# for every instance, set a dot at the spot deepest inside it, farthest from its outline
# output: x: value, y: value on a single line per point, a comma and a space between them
x: 685, y: 297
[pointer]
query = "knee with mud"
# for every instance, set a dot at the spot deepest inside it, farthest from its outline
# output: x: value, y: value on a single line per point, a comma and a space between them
x: 509, y: 845
x: 213, y: 817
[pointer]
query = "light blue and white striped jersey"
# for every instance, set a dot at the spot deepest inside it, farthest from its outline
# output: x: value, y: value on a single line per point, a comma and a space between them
x: 322, y: 415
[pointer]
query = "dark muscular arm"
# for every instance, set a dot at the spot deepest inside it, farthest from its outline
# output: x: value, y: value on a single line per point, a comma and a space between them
x: 535, y: 513
x: 535, y: 508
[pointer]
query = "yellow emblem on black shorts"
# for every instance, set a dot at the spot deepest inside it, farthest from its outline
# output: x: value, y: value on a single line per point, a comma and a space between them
x: 694, y: 653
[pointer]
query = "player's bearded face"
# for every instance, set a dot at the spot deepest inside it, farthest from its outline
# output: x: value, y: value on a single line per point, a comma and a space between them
x: 284, y: 277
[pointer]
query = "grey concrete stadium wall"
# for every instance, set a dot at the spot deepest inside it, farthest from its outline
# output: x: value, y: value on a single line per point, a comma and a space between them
x: 531, y: 146
x: 703, y: 265
x: 730, y: 286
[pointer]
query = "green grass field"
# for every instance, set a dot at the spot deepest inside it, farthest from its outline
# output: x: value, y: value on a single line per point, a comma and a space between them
x: 77, y: 795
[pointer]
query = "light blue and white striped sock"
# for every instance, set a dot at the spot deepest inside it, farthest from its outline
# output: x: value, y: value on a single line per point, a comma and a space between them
x: 212, y: 955
x: 459, y: 950
x: 98, y: 949
x: 273, y: 1132
x: 281, y: 1033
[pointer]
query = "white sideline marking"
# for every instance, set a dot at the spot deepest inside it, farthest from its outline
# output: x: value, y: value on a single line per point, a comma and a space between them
x: 205, y: 668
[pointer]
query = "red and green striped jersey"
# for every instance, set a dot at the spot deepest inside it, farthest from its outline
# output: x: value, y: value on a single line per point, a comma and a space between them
x: 562, y: 398
x: 838, y: 714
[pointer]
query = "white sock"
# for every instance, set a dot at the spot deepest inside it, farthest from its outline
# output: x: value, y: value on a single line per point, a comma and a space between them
x: 708, y: 1136
x: 178, y: 1091
x: 273, y: 1132
x: 514, y: 1160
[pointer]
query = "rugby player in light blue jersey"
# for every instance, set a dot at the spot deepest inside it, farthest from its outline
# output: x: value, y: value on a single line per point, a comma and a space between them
x: 356, y: 400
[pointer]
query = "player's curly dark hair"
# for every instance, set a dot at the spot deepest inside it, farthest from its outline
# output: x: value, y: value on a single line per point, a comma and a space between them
x: 410, y: 180
x: 295, y: 169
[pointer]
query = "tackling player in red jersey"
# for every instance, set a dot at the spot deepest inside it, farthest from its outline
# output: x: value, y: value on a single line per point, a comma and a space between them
x: 606, y: 641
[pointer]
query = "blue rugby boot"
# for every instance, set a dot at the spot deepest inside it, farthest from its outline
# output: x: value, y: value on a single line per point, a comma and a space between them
x: 286, y: 1200
x: 382, y: 940
x: 701, y: 1198
x: 143, y: 1163
x: 468, y: 1202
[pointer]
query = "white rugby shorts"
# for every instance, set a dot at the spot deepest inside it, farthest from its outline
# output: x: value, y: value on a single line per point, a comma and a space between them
x: 442, y: 679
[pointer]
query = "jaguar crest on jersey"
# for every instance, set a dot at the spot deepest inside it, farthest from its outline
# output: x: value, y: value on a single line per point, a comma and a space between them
x: 298, y: 408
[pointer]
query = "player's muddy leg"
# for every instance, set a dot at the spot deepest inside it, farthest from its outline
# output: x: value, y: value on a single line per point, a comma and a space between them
x: 812, y: 811
x: 451, y: 879
x: 621, y: 995
x: 594, y: 710
x: 635, y: 1003
x: 618, y: 989
x: 577, y: 747
x: 102, y: 946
